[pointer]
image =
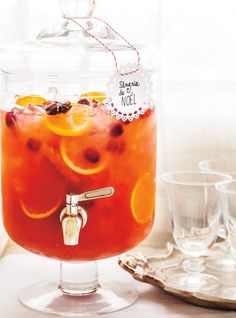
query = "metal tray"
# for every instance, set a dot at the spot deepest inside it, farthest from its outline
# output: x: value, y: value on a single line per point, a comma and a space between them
x: 155, y: 268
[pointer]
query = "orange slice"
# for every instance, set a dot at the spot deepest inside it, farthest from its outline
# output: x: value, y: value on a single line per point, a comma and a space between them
x: 84, y: 155
x: 143, y: 199
x: 74, y: 123
x: 39, y: 214
x: 31, y: 99
x: 98, y: 96
x: 43, y: 190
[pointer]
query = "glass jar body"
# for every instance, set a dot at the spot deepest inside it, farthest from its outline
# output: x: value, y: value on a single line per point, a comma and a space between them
x: 42, y: 161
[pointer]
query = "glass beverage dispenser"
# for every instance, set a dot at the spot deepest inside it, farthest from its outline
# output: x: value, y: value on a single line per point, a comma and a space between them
x: 78, y: 181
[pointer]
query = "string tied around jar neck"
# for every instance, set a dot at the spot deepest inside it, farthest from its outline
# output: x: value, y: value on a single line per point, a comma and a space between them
x: 75, y: 20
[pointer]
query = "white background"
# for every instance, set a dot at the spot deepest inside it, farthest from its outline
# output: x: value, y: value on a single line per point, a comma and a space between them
x: 197, y: 36
x: 198, y: 118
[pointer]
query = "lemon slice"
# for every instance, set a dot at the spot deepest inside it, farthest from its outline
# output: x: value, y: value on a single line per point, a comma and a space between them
x: 31, y: 99
x: 83, y: 155
x: 143, y: 199
x: 98, y: 96
x: 74, y: 123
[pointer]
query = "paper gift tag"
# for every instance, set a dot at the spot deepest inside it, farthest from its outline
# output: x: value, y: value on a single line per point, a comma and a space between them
x: 129, y: 92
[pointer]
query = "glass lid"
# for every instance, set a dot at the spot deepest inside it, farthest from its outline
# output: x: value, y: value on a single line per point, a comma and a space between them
x: 78, y: 47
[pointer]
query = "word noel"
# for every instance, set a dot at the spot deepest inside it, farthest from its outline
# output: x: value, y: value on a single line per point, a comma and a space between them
x: 126, y: 93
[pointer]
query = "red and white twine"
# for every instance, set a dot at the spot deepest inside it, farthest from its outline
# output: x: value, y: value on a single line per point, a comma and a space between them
x: 105, y: 46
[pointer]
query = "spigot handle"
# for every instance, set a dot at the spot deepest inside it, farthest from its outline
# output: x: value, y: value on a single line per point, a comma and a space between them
x: 96, y: 194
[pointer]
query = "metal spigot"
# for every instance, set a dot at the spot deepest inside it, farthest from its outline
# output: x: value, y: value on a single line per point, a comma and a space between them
x: 73, y: 217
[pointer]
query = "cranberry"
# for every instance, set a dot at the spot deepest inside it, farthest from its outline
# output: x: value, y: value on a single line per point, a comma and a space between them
x: 55, y: 108
x: 92, y: 155
x: 84, y: 101
x: 34, y: 144
x: 116, y: 130
x: 10, y: 118
x: 117, y: 147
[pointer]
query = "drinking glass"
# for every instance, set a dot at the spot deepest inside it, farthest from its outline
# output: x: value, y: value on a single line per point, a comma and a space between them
x: 223, y: 258
x: 227, y: 191
x: 227, y: 166
x: 195, y: 212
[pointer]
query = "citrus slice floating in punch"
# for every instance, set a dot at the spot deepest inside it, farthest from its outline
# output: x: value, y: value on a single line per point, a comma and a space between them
x: 31, y: 99
x: 98, y: 96
x: 74, y: 123
x: 39, y: 214
x: 84, y: 155
x: 143, y: 199
x: 45, y: 195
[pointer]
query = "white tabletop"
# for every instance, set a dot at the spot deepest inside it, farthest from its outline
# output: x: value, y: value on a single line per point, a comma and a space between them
x: 19, y: 270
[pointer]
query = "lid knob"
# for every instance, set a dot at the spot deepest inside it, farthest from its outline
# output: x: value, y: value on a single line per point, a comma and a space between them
x: 78, y: 8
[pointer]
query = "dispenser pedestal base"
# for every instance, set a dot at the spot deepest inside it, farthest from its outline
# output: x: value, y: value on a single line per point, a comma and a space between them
x: 48, y: 297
